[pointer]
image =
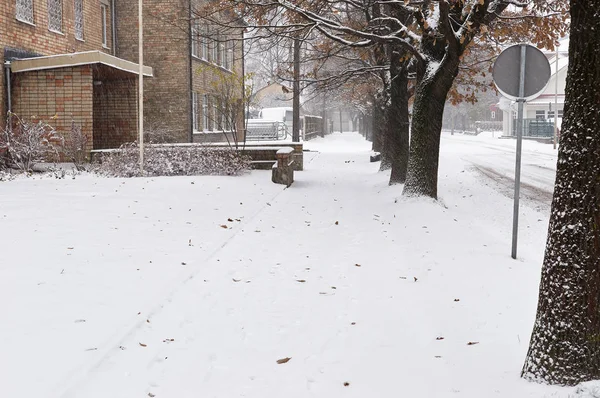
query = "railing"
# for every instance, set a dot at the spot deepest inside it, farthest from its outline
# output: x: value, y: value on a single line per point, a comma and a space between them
x: 266, y: 130
x: 538, y: 128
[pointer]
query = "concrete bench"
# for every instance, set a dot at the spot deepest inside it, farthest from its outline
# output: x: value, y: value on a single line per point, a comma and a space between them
x: 283, y: 170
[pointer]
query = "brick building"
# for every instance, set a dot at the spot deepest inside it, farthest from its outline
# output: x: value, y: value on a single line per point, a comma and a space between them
x: 75, y: 60
x: 197, y: 69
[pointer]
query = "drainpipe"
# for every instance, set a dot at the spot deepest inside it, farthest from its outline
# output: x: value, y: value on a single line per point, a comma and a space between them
x: 8, y: 86
x: 8, y: 70
x: 114, y: 27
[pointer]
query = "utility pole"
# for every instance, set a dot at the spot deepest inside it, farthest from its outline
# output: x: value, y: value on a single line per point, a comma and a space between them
x: 296, y: 102
x: 141, y: 84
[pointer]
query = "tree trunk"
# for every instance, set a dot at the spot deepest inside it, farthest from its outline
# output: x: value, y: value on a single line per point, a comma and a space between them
x: 565, y: 343
x: 377, y: 125
x: 428, y: 110
x: 397, y: 120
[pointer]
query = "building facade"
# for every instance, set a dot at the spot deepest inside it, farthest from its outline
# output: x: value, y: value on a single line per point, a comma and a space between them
x: 196, y: 92
x: 74, y: 61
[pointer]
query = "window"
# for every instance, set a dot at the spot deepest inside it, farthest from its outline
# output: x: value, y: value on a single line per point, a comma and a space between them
x: 195, y: 111
x: 215, y: 114
x: 25, y: 11
x: 195, y: 39
x: 205, y: 112
x: 540, y: 115
x: 229, y: 61
x: 104, y: 21
x: 55, y: 15
x: 560, y: 113
x: 79, y: 19
x: 550, y: 114
x: 215, y: 51
x: 222, y: 53
x: 204, y: 46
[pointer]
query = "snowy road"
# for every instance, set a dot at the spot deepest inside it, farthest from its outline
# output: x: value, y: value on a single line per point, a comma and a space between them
x: 495, y: 159
x: 188, y: 287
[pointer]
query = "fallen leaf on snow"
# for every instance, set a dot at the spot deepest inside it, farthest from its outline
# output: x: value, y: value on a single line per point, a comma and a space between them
x: 416, y: 279
x: 357, y: 265
x: 472, y: 342
x: 224, y: 227
x: 456, y: 299
x: 300, y: 280
x: 337, y: 223
x: 150, y: 394
x: 230, y: 220
x: 346, y: 384
x: 283, y: 360
x: 143, y: 345
x: 235, y: 280
x: 439, y: 338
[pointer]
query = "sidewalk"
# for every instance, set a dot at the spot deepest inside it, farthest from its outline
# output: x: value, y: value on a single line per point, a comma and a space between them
x: 369, y: 294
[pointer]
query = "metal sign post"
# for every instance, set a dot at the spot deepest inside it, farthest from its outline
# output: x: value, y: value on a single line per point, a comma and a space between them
x: 520, y: 101
x: 521, y: 73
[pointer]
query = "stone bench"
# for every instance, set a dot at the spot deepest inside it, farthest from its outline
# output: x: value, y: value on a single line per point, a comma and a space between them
x: 283, y: 170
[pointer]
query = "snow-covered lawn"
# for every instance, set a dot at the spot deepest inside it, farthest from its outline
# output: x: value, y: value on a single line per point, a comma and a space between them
x: 197, y: 286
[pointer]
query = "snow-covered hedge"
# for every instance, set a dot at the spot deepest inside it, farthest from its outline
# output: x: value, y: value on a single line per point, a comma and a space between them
x: 172, y: 161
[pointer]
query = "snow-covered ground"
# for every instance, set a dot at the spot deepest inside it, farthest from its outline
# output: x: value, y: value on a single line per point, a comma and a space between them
x: 197, y: 286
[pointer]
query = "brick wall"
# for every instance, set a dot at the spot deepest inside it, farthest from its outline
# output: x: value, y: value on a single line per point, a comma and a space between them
x: 115, y: 113
x: 167, y: 101
x: 65, y: 92
x: 37, y: 38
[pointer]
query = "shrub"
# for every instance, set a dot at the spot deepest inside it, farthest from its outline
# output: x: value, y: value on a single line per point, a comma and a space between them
x: 26, y: 143
x: 162, y: 160
x: 75, y: 147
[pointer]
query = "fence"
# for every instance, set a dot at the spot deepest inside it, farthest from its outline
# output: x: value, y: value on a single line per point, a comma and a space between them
x: 313, y: 127
x: 538, y: 128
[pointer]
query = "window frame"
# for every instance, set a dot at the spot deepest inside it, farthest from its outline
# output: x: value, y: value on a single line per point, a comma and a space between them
x: 81, y: 36
x: 540, y: 114
x: 104, y: 24
x: 19, y: 16
x: 205, y: 108
x: 60, y: 8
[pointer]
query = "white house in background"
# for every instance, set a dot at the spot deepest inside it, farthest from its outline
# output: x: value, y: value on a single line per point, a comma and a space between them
x: 543, y: 107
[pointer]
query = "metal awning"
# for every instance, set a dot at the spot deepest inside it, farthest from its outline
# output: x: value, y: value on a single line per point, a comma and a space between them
x: 76, y: 59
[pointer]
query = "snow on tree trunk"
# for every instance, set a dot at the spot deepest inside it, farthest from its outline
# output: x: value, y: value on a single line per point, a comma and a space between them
x: 428, y: 109
x: 565, y: 343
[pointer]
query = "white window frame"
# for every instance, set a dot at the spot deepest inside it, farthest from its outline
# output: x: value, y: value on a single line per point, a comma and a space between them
x: 25, y: 11
x: 540, y: 115
x: 215, y: 126
x: 204, y: 45
x: 222, y: 53
x: 104, y: 24
x: 195, y: 111
x: 215, y: 51
x: 78, y: 13
x: 55, y: 25
x: 205, y: 120
x: 195, y: 39
x: 229, y: 62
